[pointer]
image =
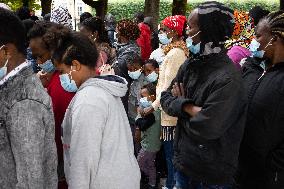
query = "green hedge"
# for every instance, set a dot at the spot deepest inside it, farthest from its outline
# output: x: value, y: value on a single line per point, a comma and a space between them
x: 128, y: 9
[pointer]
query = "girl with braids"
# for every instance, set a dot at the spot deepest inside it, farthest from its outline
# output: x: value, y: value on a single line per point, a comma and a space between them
x: 207, y: 97
x: 97, y: 141
x: 262, y: 149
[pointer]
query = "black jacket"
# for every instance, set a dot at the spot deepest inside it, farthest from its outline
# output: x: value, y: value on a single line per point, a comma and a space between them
x: 262, y: 148
x: 207, y: 145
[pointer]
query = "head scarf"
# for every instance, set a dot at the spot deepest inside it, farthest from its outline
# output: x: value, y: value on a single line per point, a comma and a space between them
x: 175, y: 23
x: 128, y: 29
x: 243, y: 31
x: 4, y: 6
x: 216, y: 23
x: 61, y: 15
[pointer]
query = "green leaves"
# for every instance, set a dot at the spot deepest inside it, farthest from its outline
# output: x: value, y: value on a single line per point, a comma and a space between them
x: 126, y: 9
x: 15, y: 4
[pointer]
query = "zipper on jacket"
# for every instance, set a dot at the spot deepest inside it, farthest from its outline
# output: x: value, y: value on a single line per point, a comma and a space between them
x: 276, y: 177
x: 264, y: 72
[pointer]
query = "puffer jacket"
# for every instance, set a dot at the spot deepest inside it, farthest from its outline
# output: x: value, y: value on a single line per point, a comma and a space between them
x: 207, y: 145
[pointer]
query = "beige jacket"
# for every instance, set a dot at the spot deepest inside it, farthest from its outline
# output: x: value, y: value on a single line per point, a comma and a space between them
x: 168, y: 71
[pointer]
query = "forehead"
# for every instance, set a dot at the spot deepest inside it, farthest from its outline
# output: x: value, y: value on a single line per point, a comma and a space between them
x: 149, y: 66
x: 263, y: 27
x: 193, y: 18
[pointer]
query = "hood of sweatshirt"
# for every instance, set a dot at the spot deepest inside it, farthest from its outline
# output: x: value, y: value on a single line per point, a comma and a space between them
x: 115, y: 85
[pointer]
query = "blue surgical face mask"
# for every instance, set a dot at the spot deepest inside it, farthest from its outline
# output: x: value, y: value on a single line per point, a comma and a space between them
x: 152, y: 77
x: 163, y: 38
x: 254, y: 48
x: 68, y: 84
x: 134, y: 75
x: 194, y: 49
x: 3, y: 70
x: 47, y: 67
x: 144, y: 102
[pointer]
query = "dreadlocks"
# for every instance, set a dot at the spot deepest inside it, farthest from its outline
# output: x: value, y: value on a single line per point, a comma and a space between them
x: 276, y: 23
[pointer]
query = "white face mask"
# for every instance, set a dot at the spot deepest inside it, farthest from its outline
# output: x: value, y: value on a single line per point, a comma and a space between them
x: 4, y: 69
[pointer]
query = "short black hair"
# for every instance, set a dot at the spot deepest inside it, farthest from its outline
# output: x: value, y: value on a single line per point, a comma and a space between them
x: 12, y: 30
x: 23, y: 13
x: 139, y: 16
x: 39, y: 29
x: 135, y: 59
x: 151, y: 88
x: 84, y: 16
x: 67, y: 46
x: 95, y: 24
x: 28, y: 23
x: 47, y: 17
x: 257, y: 13
x: 153, y: 62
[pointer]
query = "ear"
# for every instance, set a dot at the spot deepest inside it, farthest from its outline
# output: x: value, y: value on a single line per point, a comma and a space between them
x: 157, y: 70
x: 76, y: 65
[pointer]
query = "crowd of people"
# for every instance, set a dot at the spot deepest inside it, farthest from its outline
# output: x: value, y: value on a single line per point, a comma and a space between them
x: 198, y: 100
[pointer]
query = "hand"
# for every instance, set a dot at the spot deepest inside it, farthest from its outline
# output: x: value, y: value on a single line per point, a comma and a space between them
x: 191, y: 109
x: 147, y: 111
x: 137, y: 136
x: 44, y: 78
x: 178, y: 90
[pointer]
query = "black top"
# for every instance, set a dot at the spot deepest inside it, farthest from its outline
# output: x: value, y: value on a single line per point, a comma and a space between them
x: 207, y: 145
x: 262, y: 149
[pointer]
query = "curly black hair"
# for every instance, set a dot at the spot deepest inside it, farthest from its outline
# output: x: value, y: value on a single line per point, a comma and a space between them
x: 39, y: 29
x: 128, y: 29
x: 67, y: 46
x: 12, y: 30
x: 153, y: 62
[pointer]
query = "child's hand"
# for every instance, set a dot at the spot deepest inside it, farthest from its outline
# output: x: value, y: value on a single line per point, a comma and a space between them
x: 148, y: 111
x: 137, y: 136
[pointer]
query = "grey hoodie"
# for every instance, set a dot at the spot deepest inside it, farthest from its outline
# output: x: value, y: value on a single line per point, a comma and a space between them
x: 98, y: 147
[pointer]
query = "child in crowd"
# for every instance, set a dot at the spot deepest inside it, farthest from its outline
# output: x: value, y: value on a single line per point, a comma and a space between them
x: 148, y: 128
x: 151, y: 70
x: 135, y: 72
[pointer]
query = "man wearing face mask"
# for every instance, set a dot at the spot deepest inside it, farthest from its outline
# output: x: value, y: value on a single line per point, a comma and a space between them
x: 208, y: 99
x: 27, y: 147
x: 51, y: 81
x: 261, y: 153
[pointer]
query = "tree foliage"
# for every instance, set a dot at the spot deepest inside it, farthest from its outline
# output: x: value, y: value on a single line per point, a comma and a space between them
x: 15, y: 4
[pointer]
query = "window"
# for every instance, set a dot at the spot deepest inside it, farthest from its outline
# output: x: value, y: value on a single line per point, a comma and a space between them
x: 80, y: 10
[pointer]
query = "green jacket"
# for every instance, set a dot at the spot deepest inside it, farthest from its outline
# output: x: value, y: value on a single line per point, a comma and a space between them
x: 150, y: 139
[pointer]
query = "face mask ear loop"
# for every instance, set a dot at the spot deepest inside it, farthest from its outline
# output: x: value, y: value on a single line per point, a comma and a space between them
x: 6, y: 62
x: 195, y: 34
x: 269, y: 43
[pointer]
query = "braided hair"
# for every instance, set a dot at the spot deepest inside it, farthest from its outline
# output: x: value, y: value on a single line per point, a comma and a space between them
x: 276, y: 23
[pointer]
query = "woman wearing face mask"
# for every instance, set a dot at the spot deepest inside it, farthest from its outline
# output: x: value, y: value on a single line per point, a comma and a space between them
x: 261, y: 153
x: 127, y: 34
x: 207, y: 97
x: 171, y: 35
x: 97, y: 141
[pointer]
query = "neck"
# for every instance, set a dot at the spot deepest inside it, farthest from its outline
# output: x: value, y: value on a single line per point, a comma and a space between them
x: 175, y: 39
x: 15, y: 61
x: 278, y: 56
